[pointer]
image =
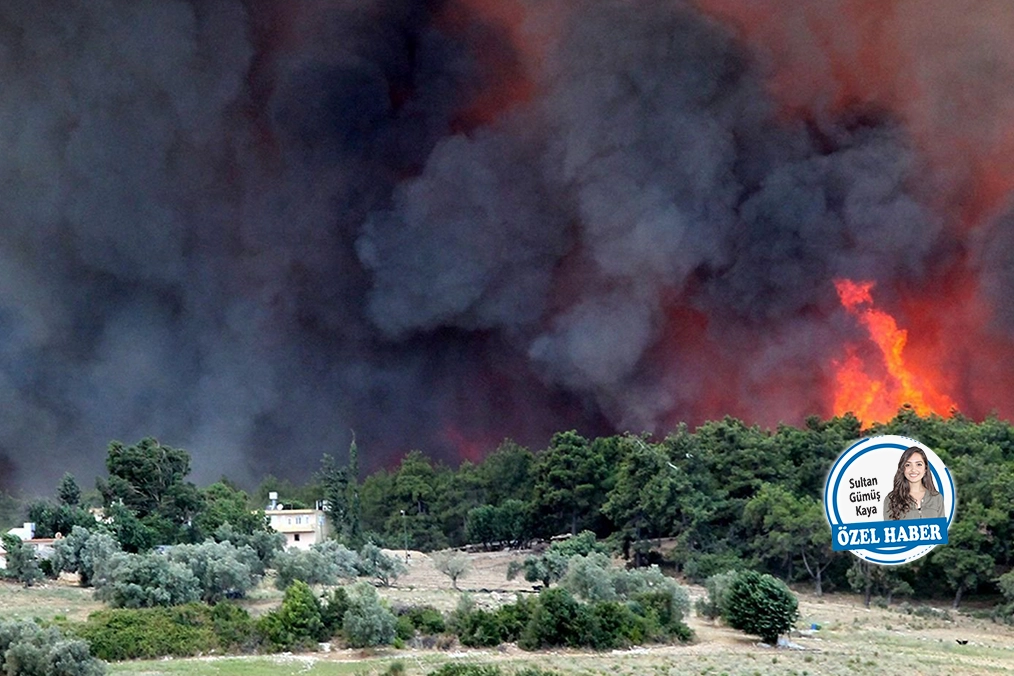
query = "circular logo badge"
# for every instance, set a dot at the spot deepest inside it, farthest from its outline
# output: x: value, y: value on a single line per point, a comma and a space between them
x: 889, y: 500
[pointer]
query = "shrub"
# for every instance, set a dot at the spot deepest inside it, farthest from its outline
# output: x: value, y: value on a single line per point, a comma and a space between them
x: 717, y: 586
x: 479, y: 628
x: 426, y: 619
x: 611, y: 624
x: 459, y: 669
x: 373, y: 562
x: 26, y: 649
x: 556, y: 621
x: 582, y: 544
x: 333, y: 606
x: 760, y: 605
x: 235, y: 629
x: 149, y: 633
x: 297, y: 623
x: 591, y: 578
x: 368, y: 622
x: 146, y: 580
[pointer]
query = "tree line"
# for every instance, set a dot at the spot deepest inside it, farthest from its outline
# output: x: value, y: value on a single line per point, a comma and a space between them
x: 723, y: 496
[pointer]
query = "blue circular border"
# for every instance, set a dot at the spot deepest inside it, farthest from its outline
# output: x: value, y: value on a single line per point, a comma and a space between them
x: 834, y: 492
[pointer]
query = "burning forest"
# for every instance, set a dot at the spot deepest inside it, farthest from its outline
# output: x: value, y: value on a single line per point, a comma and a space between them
x: 248, y: 227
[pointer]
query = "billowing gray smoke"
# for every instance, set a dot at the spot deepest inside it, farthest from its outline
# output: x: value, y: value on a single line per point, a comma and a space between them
x: 247, y: 227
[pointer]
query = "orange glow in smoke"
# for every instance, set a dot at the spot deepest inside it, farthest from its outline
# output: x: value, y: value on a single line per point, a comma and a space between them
x: 875, y: 392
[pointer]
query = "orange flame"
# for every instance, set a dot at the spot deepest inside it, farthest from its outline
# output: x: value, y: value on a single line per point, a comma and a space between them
x: 869, y: 397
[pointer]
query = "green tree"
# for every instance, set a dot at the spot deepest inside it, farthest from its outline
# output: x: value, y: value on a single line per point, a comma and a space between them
x: 145, y: 581
x: 570, y: 482
x: 298, y: 623
x: 150, y: 480
x: 786, y: 528
x: 222, y: 569
x: 507, y: 473
x: 28, y: 649
x: 84, y: 552
x: 68, y: 492
x: 760, y: 605
x: 376, y: 564
x: 21, y: 562
x: 223, y: 504
x: 453, y: 564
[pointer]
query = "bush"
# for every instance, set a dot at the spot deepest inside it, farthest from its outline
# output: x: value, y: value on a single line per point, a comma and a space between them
x: 298, y: 623
x: 760, y: 605
x: 149, y: 633
x: 26, y: 649
x: 425, y: 619
x: 479, y: 628
x: 717, y: 586
x: 235, y: 629
x: 611, y: 624
x: 368, y: 622
x: 146, y: 580
x: 458, y: 669
x: 582, y: 544
x: 333, y: 606
x: 556, y: 621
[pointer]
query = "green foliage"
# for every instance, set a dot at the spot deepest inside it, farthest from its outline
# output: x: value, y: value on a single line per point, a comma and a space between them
x: 760, y: 605
x: 368, y: 622
x: 26, y: 649
x: 571, y: 480
x: 180, y: 631
x: 223, y: 505
x: 298, y: 623
x: 322, y: 564
x: 425, y: 619
x: 373, y: 562
x: 68, y: 492
x: 21, y: 562
x: 50, y: 519
x: 85, y: 552
x: 149, y: 479
x: 556, y: 621
x: 715, y: 604
x: 464, y: 669
x: 146, y: 580
x: 453, y: 564
x: 333, y: 606
x: 266, y: 544
x: 222, y: 569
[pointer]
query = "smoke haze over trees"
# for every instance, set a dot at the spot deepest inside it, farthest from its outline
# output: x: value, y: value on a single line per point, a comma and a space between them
x: 248, y: 227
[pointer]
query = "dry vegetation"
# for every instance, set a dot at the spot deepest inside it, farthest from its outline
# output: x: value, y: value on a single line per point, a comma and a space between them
x: 851, y: 641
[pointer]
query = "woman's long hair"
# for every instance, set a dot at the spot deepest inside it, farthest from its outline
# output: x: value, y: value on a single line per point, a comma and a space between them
x: 900, y: 498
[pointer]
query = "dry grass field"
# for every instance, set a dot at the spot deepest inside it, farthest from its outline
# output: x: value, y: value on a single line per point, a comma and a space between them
x: 851, y: 641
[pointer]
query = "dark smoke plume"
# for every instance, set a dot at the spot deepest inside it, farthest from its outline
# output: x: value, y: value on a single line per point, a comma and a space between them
x: 247, y: 227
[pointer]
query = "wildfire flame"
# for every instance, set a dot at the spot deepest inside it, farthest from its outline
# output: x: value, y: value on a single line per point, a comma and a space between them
x: 878, y: 397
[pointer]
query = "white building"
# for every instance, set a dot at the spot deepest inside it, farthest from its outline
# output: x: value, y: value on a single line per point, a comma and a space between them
x: 301, y: 527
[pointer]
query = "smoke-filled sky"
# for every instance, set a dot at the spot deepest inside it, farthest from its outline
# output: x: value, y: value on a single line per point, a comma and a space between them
x: 249, y: 227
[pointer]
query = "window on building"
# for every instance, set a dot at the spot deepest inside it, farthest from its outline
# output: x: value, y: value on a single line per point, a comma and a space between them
x: 296, y: 537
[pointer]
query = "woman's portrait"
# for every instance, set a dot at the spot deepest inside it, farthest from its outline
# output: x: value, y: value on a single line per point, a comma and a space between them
x: 914, y: 496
